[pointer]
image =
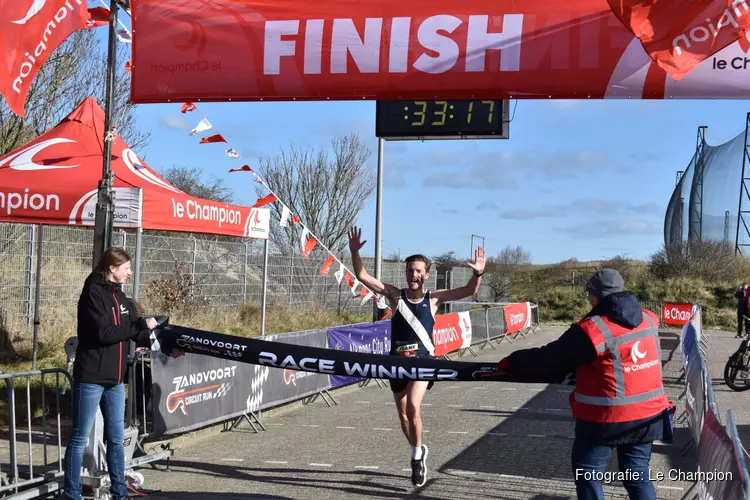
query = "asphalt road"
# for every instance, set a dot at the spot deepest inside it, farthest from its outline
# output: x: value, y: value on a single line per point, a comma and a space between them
x: 486, y: 440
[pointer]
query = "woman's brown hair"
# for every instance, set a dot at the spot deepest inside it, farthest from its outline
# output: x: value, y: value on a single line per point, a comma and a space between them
x: 112, y: 257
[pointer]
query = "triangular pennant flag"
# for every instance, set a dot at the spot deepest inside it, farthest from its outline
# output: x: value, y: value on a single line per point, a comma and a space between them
x: 270, y: 198
x: 98, y: 16
x: 340, y: 273
x: 124, y: 36
x: 202, y: 126
x: 368, y: 296
x: 308, y: 242
x: 327, y: 265
x: 382, y: 304
x: 128, y: 66
x: 284, y: 216
x: 295, y: 219
x: 364, y: 291
x: 188, y: 107
x: 243, y: 168
x: 232, y: 153
x: 213, y: 138
x: 309, y: 246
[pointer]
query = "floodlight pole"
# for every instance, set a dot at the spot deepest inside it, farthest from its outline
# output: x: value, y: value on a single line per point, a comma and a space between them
x: 106, y: 196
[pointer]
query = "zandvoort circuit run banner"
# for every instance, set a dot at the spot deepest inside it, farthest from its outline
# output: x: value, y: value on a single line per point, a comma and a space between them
x: 189, y: 50
x: 314, y: 359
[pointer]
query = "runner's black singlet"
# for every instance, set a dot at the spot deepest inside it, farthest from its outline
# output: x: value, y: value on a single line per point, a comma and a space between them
x: 402, y: 332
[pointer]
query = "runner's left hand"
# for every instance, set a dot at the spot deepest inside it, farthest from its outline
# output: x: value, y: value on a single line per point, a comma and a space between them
x: 479, y: 262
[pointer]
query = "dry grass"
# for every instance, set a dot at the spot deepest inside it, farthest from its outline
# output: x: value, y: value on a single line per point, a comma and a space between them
x: 243, y: 321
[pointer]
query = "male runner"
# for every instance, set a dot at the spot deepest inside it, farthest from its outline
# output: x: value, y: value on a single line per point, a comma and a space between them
x: 412, y: 324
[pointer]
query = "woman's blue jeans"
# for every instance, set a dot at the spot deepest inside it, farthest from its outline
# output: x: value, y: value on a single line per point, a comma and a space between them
x: 86, y: 399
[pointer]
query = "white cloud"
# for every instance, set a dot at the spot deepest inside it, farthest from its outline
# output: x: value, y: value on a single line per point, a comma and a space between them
x: 596, y: 206
x: 487, y: 205
x: 174, y: 122
x: 612, y: 228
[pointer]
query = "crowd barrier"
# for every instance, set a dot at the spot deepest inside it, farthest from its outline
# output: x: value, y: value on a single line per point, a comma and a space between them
x: 721, y: 472
x: 26, y: 474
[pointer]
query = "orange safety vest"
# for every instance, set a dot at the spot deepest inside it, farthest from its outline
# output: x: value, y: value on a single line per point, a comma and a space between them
x: 624, y: 382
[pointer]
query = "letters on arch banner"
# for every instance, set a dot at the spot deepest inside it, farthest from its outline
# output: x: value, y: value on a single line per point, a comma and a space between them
x: 190, y: 50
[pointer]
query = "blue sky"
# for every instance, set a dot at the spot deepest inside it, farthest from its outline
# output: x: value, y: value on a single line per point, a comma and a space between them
x: 587, y: 179
x: 583, y: 179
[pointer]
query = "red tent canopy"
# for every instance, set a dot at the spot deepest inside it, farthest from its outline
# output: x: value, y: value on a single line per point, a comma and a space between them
x: 53, y: 180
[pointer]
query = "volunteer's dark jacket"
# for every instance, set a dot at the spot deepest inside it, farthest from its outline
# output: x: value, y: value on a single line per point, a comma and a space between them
x: 553, y: 362
x: 107, y: 320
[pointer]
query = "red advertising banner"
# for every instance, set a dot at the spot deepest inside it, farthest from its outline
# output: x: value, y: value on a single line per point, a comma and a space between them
x: 451, y: 332
x: 30, y: 30
x: 517, y: 317
x: 675, y: 313
x: 190, y: 50
x: 678, y: 35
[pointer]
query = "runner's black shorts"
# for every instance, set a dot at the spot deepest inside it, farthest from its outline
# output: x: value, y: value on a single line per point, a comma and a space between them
x: 398, y: 386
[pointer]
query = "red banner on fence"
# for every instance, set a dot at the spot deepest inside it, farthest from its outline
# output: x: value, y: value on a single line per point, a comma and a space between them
x: 675, y: 313
x: 190, y: 50
x: 517, y: 317
x: 451, y: 333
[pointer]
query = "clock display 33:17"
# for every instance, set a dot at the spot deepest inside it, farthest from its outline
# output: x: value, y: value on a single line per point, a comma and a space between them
x: 438, y: 113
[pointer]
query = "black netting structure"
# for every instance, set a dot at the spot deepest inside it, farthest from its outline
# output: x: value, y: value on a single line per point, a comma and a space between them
x: 706, y: 200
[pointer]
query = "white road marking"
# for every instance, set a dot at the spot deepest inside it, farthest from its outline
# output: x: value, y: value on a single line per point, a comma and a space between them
x: 309, y: 425
x: 366, y: 467
x: 381, y: 429
x: 277, y: 425
x: 564, y: 391
x: 486, y: 406
x: 536, y: 435
x: 320, y: 465
x: 458, y: 432
x: 233, y: 459
x: 553, y: 409
x: 455, y: 406
x: 464, y: 472
x: 346, y: 427
x: 497, y: 434
x: 363, y: 402
x: 671, y: 488
x: 405, y: 470
x: 508, y: 389
x: 454, y: 387
x: 276, y: 462
x: 426, y: 404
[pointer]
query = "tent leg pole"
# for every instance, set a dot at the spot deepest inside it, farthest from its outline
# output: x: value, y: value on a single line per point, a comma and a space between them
x: 37, y: 295
x: 106, y: 195
x: 137, y: 272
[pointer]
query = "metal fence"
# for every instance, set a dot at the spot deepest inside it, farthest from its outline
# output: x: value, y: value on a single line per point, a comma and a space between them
x: 218, y: 273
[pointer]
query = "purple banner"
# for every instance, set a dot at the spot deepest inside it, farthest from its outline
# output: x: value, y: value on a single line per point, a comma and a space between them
x: 369, y: 338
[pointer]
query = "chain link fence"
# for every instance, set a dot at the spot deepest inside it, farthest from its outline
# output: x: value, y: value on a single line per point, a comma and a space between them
x: 219, y: 272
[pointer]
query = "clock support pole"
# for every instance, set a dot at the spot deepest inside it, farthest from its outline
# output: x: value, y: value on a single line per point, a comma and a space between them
x: 378, y: 224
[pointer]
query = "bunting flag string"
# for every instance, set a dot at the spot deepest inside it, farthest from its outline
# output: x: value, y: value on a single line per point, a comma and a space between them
x: 308, y: 241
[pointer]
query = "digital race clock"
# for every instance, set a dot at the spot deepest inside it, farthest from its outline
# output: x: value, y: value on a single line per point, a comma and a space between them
x: 404, y: 120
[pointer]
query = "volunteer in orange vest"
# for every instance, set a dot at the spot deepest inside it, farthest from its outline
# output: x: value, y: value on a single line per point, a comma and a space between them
x: 619, y: 400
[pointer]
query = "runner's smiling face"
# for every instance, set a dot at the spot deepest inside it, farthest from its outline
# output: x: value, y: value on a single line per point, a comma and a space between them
x: 416, y: 274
